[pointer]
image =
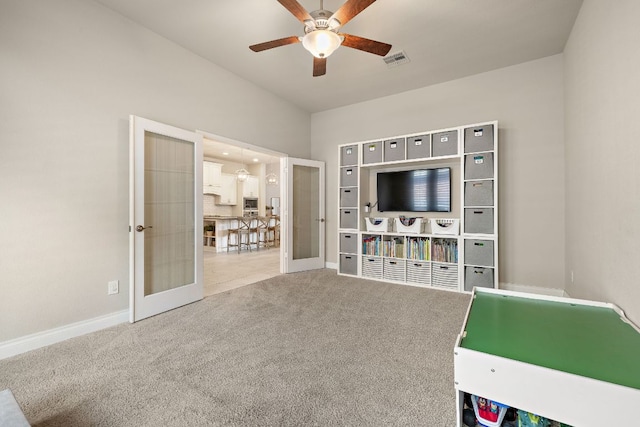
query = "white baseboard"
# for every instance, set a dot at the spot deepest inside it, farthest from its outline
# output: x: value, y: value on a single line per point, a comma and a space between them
x: 42, y: 339
x: 331, y: 265
x: 553, y: 292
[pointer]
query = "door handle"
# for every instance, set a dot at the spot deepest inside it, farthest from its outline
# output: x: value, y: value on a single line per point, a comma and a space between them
x: 141, y: 228
x: 321, y: 219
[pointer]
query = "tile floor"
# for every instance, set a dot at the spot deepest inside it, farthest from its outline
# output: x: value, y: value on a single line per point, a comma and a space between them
x: 224, y: 271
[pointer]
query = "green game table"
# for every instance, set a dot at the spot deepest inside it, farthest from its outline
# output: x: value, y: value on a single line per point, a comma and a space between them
x: 570, y: 360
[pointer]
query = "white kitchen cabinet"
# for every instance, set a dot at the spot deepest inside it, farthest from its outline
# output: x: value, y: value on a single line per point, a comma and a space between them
x: 251, y: 187
x: 211, y: 177
x: 228, y: 190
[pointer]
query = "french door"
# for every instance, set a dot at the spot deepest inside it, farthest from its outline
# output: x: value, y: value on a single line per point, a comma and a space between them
x: 304, y: 215
x: 166, y: 266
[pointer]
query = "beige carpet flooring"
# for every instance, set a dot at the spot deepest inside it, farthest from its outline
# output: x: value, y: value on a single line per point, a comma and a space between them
x: 303, y: 349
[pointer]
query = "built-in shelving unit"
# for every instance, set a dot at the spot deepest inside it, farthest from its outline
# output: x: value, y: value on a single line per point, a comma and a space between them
x: 455, y: 258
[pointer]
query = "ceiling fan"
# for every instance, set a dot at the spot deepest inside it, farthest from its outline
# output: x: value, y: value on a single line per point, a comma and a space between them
x: 321, y: 36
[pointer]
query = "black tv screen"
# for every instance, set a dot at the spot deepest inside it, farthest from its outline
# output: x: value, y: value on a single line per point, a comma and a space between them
x: 422, y: 190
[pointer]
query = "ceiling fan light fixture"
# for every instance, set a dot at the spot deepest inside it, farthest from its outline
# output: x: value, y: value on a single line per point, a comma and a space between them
x: 333, y: 23
x: 321, y: 43
x: 322, y: 37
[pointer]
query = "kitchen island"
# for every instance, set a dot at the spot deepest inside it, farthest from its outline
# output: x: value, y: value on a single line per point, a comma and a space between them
x: 270, y: 229
x: 222, y: 225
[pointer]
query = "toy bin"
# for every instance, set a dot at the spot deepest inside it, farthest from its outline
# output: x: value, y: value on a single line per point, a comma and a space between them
x: 488, y: 412
x: 447, y: 226
x: 409, y: 225
x: 377, y: 224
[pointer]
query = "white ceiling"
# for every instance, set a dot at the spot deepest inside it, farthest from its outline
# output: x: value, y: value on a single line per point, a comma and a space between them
x: 236, y: 152
x: 444, y: 39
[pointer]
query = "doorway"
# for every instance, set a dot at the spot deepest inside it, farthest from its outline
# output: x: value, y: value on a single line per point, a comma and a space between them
x: 166, y: 273
x: 227, y: 266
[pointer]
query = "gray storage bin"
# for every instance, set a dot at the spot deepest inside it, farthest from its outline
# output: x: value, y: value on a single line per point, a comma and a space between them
x: 348, y: 264
x: 478, y: 276
x: 349, y: 155
x: 349, y: 243
x: 478, y: 252
x: 444, y: 276
x: 479, y: 221
x: 418, y: 147
x: 349, y: 218
x: 478, y: 166
x: 348, y: 197
x: 419, y: 272
x: 349, y: 176
x: 372, y: 267
x: 478, y: 193
x: 394, y: 269
x: 478, y: 138
x: 394, y: 150
x: 372, y: 152
x: 444, y: 143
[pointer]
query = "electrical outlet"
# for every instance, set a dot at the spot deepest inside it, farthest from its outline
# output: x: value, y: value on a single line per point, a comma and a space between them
x: 112, y: 287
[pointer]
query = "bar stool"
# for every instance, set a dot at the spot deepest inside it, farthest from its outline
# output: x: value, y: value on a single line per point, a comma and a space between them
x: 241, y: 234
x: 253, y: 231
x: 273, y: 230
x: 263, y: 232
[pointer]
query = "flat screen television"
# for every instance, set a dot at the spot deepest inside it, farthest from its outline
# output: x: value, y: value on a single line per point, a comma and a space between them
x: 421, y: 190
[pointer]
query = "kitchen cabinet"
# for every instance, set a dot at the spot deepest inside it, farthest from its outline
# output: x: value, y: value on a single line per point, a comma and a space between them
x: 228, y: 189
x: 251, y: 187
x: 211, y: 177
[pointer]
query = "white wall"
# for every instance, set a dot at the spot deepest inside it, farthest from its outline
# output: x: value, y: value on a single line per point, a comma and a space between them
x: 72, y: 71
x: 527, y: 100
x: 602, y: 63
x: 272, y: 190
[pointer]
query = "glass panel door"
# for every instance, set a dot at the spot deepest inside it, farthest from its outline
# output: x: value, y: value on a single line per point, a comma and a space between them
x: 169, y: 256
x: 305, y: 209
x: 166, y: 218
x: 304, y: 215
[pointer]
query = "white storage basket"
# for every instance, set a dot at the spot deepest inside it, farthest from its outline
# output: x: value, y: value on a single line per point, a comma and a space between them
x: 409, y: 225
x: 377, y: 224
x: 447, y: 226
x: 488, y: 413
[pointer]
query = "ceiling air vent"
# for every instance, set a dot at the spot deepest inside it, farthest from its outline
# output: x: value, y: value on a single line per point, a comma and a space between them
x: 396, y: 59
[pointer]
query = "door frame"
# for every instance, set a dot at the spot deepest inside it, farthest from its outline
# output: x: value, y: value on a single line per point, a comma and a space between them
x: 283, y: 179
x: 285, y: 266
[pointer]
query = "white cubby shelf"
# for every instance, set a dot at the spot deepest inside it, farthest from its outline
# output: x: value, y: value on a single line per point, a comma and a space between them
x: 455, y: 250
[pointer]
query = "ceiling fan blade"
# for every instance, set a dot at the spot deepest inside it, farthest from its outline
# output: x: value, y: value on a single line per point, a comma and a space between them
x: 371, y: 46
x: 319, y: 66
x: 350, y: 9
x: 296, y: 9
x: 274, y: 43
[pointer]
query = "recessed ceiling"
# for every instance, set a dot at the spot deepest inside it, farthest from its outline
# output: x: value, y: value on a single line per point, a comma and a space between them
x: 444, y: 39
x: 234, y: 152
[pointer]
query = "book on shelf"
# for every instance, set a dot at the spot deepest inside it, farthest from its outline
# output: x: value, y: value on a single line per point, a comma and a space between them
x: 419, y: 248
x: 371, y: 245
x: 445, y: 250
